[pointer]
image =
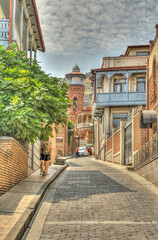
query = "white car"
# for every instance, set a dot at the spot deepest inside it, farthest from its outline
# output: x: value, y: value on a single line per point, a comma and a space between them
x: 82, y: 151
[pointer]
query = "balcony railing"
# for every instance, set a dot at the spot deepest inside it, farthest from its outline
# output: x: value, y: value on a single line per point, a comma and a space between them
x: 4, y: 32
x: 123, y: 98
x: 149, y: 151
x: 86, y: 142
x: 84, y: 125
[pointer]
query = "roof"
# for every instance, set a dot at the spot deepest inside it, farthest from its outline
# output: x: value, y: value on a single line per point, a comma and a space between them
x: 118, y: 68
x: 38, y: 25
x: 75, y: 68
x: 134, y: 46
x: 75, y: 73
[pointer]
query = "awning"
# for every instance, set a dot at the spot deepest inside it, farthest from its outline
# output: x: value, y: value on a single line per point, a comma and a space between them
x: 149, y: 116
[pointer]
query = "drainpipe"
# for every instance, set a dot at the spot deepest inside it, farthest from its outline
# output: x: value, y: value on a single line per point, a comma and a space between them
x: 10, y: 21
x: 13, y: 20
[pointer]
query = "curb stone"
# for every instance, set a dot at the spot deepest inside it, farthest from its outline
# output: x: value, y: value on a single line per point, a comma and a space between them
x: 19, y: 228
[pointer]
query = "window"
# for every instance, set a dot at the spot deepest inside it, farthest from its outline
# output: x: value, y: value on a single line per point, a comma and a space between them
x: 120, y: 85
x: 75, y: 104
x: 142, y: 53
x: 117, y: 118
x: 140, y: 84
x: 90, y: 118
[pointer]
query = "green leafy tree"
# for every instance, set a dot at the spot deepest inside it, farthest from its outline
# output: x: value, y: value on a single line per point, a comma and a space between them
x: 71, y: 130
x: 30, y: 100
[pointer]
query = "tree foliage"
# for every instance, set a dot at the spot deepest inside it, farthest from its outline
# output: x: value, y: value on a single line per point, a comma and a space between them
x: 30, y: 100
x: 71, y: 126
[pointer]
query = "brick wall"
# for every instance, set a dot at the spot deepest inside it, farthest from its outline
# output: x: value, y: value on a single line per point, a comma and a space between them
x: 139, y: 134
x: 136, y: 133
x: 117, y: 142
x: 13, y: 163
x: 78, y: 92
x: 109, y: 144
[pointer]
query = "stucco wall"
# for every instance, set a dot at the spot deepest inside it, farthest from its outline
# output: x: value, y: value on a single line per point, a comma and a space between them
x: 109, y: 156
x: 124, y: 61
x: 116, y: 158
x: 4, y: 9
x: 33, y: 155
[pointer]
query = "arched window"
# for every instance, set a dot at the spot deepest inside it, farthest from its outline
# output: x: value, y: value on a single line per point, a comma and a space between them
x: 75, y: 104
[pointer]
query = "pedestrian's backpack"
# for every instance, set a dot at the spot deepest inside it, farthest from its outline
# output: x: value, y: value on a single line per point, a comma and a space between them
x: 46, y: 148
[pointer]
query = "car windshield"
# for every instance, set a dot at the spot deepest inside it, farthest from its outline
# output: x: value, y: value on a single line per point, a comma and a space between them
x: 82, y: 149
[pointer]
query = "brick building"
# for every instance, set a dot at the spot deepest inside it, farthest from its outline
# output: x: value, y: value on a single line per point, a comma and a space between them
x: 79, y: 130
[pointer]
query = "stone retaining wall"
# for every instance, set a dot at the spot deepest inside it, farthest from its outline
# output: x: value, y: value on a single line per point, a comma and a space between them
x: 150, y: 172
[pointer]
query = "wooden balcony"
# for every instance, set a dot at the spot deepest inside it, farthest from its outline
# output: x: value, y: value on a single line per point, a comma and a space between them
x: 118, y: 99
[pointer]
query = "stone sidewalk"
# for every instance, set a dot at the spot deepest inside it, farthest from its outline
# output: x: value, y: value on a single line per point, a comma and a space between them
x: 19, y: 204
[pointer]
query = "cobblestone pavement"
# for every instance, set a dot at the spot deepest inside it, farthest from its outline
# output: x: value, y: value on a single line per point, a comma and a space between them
x: 91, y: 201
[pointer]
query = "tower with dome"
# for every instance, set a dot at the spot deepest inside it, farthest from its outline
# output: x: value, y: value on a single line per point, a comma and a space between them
x: 75, y: 80
x: 79, y: 130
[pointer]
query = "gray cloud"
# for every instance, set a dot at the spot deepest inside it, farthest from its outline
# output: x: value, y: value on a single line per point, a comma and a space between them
x: 85, y: 27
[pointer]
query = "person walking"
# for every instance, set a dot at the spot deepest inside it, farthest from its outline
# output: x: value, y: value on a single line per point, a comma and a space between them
x: 89, y: 151
x: 76, y: 152
x: 45, y: 155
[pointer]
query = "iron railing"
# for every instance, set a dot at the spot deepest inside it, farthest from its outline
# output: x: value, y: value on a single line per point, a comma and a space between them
x: 4, y: 29
x: 85, y: 125
x: 86, y: 142
x: 149, y: 151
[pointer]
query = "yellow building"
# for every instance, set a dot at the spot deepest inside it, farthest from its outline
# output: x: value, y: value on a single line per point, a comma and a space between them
x: 119, y: 85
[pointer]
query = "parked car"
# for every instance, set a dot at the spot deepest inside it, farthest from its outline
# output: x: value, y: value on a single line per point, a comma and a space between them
x: 82, y: 151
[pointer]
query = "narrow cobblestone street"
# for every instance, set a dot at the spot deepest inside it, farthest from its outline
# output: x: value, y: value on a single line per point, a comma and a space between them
x: 92, y: 200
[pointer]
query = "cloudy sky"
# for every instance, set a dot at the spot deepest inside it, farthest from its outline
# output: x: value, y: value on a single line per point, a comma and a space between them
x: 85, y: 31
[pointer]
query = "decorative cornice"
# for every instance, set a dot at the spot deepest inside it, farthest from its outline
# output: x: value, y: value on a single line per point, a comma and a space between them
x: 38, y: 24
x: 120, y: 68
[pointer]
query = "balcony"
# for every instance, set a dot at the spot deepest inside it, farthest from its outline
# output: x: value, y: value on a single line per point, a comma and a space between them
x: 118, y: 99
x: 84, y: 125
x: 4, y: 32
x: 87, y: 142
